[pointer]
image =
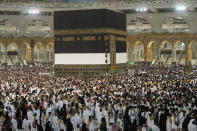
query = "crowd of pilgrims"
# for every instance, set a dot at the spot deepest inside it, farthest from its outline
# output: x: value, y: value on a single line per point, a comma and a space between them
x: 153, y: 98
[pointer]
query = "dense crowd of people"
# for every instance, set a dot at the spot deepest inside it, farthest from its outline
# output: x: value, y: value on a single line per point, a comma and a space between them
x: 153, y: 98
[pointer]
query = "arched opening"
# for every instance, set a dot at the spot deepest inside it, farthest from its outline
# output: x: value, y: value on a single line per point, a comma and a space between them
x: 24, y: 53
x: 152, y: 52
x: 180, y: 52
x: 39, y: 52
x: 36, y: 54
x: 165, y: 56
x: 138, y: 52
x: 50, y: 52
x: 192, y: 53
x: 12, y: 53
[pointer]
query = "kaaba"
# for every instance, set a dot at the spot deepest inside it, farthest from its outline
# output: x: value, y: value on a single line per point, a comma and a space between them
x: 89, y: 42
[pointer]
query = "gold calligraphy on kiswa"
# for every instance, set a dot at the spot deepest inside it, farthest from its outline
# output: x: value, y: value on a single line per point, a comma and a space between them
x: 89, y: 38
x: 68, y: 38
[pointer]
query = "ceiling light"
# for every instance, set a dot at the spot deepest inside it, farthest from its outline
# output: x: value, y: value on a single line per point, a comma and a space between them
x: 141, y: 9
x: 33, y: 11
x: 181, y: 8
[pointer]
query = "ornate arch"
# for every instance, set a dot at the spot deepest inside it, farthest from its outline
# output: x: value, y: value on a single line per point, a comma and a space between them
x: 137, y: 44
x: 178, y: 42
x: 150, y: 51
x: 12, y: 43
x: 165, y: 41
x: 40, y: 45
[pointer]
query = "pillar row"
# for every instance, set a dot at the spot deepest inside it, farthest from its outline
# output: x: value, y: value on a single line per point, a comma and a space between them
x: 174, y: 55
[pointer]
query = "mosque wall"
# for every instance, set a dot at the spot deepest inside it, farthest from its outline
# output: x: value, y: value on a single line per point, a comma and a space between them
x: 172, y: 48
x: 22, y: 21
x: 17, y: 33
x: 143, y: 53
x: 156, y: 20
x: 24, y: 50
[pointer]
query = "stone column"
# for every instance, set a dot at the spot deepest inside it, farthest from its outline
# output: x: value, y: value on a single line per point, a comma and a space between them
x: 32, y: 51
x: 173, y: 56
x: 130, y: 53
x: 52, y: 57
x: 188, y: 51
x: 112, y: 42
x: 49, y: 56
x: 3, y: 57
x: 188, y: 56
x: 146, y: 55
x: 45, y: 55
x: 40, y: 56
x: 28, y: 56
x: 159, y: 52
x: 6, y: 58
x: 135, y: 55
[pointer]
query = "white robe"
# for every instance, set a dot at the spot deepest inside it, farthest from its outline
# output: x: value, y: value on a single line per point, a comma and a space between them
x: 168, y: 125
x: 174, y: 126
x: 14, y: 125
x: 25, y: 125
x: 155, y: 128
x: 105, y: 113
x: 99, y: 116
x: 55, y: 123
x: 62, y: 126
x: 92, y: 126
x: 181, y: 122
x: 150, y: 123
x: 86, y: 115
x: 75, y: 121
x: 30, y: 115
x: 191, y: 126
x: 121, y: 124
